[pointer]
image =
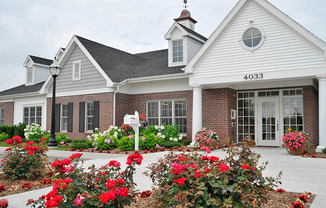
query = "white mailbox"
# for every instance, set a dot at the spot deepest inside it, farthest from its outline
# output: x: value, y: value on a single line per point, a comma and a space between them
x: 133, y: 121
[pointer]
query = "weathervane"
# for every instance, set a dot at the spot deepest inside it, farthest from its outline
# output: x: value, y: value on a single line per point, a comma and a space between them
x: 185, y: 1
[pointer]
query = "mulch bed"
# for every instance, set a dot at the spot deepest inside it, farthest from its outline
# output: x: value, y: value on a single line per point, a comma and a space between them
x: 276, y: 200
x: 15, y: 187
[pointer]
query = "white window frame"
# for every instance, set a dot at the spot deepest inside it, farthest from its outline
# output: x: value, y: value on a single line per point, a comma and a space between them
x: 263, y: 36
x: 2, y: 116
x: 35, y: 116
x: 282, y: 107
x: 63, y: 117
x: 177, y: 57
x: 74, y: 78
x: 173, y: 110
x: 86, y: 116
x: 30, y: 75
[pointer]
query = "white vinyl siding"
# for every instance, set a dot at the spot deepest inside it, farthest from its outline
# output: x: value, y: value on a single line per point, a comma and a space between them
x: 168, y: 112
x: 64, y: 117
x: 76, y: 73
x: 33, y: 114
x: 89, y: 117
x: 193, y: 48
x: 2, y: 116
x: 282, y: 50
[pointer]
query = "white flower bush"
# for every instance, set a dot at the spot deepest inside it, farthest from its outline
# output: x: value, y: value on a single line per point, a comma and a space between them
x: 35, y: 133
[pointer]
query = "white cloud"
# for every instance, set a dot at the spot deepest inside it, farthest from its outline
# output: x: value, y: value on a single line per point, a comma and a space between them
x: 40, y: 27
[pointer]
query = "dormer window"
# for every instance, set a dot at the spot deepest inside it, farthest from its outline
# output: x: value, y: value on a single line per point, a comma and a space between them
x: 76, y: 70
x: 177, y: 51
x: 29, y: 75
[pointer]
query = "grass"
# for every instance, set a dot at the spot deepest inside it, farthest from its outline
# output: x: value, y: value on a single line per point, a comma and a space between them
x: 62, y: 148
x: 3, y: 144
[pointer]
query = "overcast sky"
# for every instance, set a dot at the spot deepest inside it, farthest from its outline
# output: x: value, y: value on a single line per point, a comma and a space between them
x: 41, y: 27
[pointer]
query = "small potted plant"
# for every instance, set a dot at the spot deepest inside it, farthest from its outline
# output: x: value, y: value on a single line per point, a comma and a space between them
x: 296, y: 142
x: 206, y: 137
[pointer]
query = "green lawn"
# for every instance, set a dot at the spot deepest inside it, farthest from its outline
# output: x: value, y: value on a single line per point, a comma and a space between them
x: 3, y: 144
x: 63, y: 148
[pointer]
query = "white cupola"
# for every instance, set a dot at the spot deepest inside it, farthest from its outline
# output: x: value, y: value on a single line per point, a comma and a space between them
x: 183, y: 41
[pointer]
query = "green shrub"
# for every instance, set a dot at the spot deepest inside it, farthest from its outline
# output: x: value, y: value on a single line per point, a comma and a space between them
x: 170, y: 144
x: 324, y: 150
x: 24, y: 160
x: 106, y: 143
x: 171, y: 131
x: 35, y: 133
x: 62, y: 137
x: 194, y: 180
x: 16, y: 130
x: 81, y: 143
x: 150, y: 130
x: 127, y: 143
x: 4, y: 136
x: 149, y: 141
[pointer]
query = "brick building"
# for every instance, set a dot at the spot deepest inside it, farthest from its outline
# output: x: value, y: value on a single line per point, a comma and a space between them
x: 259, y: 73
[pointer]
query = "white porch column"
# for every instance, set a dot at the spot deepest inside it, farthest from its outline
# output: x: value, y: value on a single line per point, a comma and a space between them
x: 197, y: 122
x: 322, y: 113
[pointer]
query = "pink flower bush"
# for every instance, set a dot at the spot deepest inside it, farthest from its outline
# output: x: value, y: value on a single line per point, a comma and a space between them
x: 295, y: 140
x: 206, y: 136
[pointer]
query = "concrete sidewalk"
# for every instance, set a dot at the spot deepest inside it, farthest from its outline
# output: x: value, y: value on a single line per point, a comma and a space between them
x: 299, y: 174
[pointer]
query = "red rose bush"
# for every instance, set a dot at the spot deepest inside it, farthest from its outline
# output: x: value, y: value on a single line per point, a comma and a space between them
x: 24, y: 160
x: 107, y: 186
x: 194, y: 180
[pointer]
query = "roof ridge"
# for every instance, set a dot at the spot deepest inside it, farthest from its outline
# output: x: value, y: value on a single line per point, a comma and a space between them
x: 151, y: 51
x: 40, y: 57
x: 193, y: 32
x: 106, y: 46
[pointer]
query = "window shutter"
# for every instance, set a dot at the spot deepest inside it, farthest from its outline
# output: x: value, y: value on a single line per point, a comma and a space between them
x: 57, y: 118
x: 70, y: 116
x: 96, y: 114
x: 81, y: 116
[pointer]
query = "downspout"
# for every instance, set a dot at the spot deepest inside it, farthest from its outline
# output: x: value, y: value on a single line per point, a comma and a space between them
x: 114, y: 102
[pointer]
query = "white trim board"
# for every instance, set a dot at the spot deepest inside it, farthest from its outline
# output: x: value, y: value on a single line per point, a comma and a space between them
x: 82, y: 92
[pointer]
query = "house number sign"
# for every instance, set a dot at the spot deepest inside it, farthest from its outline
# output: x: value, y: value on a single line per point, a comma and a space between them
x: 253, y: 76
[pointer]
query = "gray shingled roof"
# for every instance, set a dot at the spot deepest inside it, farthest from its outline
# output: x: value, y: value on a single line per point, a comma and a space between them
x: 22, y: 89
x: 39, y: 60
x: 120, y: 65
x: 194, y: 33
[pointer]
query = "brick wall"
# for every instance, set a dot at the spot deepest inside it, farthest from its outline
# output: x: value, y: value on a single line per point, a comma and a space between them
x: 311, y: 113
x: 138, y: 103
x: 122, y: 107
x: 106, y: 111
x: 217, y: 105
x: 9, y: 112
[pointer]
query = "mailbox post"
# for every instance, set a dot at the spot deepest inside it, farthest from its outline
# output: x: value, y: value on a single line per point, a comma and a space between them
x: 133, y: 121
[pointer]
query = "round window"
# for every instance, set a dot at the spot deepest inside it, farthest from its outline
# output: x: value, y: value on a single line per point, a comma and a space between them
x: 252, y: 37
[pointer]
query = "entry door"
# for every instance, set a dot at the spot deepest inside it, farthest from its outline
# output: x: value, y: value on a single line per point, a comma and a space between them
x: 268, y: 121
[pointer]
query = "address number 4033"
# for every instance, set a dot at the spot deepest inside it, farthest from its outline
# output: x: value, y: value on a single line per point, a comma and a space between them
x: 253, y: 76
